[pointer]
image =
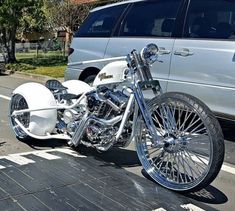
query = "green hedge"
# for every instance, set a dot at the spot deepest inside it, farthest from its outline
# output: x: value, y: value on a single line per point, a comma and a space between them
x: 21, y: 67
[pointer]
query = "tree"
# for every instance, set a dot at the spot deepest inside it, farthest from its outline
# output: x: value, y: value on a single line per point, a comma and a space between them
x: 18, y: 15
x: 69, y: 14
x: 65, y: 14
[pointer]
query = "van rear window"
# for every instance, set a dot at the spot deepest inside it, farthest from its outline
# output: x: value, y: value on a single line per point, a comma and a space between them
x: 100, y: 23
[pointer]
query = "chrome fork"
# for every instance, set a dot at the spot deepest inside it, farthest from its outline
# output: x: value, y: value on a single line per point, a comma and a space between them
x: 139, y: 97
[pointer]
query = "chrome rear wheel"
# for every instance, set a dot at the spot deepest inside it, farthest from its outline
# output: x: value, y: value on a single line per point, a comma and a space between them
x: 18, y: 102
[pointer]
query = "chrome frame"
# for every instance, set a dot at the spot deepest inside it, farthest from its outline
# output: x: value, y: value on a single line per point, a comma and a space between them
x: 57, y: 107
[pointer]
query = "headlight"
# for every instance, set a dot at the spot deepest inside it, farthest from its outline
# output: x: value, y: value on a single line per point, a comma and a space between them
x: 149, y: 53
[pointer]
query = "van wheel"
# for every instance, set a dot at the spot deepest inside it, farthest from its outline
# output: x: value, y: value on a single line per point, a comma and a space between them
x: 90, y: 79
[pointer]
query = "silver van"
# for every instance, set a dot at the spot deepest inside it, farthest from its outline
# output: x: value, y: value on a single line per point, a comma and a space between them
x: 196, y: 40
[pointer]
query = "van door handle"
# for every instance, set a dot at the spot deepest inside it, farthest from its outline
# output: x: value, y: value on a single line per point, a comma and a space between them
x: 184, y: 52
x: 163, y: 51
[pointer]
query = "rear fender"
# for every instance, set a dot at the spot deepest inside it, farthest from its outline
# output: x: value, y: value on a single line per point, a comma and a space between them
x: 38, y: 96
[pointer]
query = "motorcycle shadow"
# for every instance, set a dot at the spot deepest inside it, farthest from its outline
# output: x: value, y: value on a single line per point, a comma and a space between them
x: 209, y: 195
x: 116, y: 156
x: 40, y: 144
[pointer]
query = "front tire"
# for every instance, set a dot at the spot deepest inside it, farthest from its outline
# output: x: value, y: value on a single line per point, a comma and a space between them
x: 191, y: 149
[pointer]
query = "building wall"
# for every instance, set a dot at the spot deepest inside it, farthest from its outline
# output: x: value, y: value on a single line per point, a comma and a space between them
x: 34, y: 36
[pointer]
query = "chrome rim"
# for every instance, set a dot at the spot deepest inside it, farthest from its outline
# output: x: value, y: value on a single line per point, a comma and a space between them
x: 18, y: 102
x: 184, y: 156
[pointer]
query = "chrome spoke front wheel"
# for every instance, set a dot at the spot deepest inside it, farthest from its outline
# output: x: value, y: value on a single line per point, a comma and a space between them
x: 190, y: 139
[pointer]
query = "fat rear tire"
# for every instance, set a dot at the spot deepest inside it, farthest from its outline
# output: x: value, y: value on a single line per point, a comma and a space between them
x: 18, y: 102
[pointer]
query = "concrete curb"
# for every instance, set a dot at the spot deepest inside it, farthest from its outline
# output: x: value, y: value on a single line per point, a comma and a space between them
x: 35, y: 77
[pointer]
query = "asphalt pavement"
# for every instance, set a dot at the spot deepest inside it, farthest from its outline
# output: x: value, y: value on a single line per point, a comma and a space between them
x: 47, y: 175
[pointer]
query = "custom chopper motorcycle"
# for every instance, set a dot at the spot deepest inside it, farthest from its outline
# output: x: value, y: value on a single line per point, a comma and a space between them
x: 178, y: 140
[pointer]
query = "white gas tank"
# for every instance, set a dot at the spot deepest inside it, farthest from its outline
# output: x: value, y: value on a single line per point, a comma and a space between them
x: 111, y: 73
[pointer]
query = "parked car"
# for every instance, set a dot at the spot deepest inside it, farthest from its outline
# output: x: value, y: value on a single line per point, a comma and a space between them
x: 196, y: 40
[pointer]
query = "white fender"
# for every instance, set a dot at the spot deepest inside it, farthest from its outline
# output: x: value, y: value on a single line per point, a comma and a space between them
x: 76, y: 87
x: 38, y: 96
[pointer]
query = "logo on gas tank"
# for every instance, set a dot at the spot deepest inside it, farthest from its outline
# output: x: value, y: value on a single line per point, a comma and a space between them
x: 103, y: 76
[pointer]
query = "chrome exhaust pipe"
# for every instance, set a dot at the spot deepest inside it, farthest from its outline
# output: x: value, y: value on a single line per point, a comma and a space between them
x: 86, y: 121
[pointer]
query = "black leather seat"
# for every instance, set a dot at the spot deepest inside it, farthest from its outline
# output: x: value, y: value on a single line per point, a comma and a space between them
x: 55, y: 85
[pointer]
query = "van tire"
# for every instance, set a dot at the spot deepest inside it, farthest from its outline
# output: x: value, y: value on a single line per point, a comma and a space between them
x: 90, y: 79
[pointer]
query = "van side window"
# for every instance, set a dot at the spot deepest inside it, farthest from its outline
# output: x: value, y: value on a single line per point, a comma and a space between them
x: 100, y: 23
x: 155, y: 18
x: 213, y: 19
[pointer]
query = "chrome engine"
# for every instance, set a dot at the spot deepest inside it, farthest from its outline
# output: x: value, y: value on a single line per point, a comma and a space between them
x: 106, y: 103
x: 105, y: 106
x: 96, y: 123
